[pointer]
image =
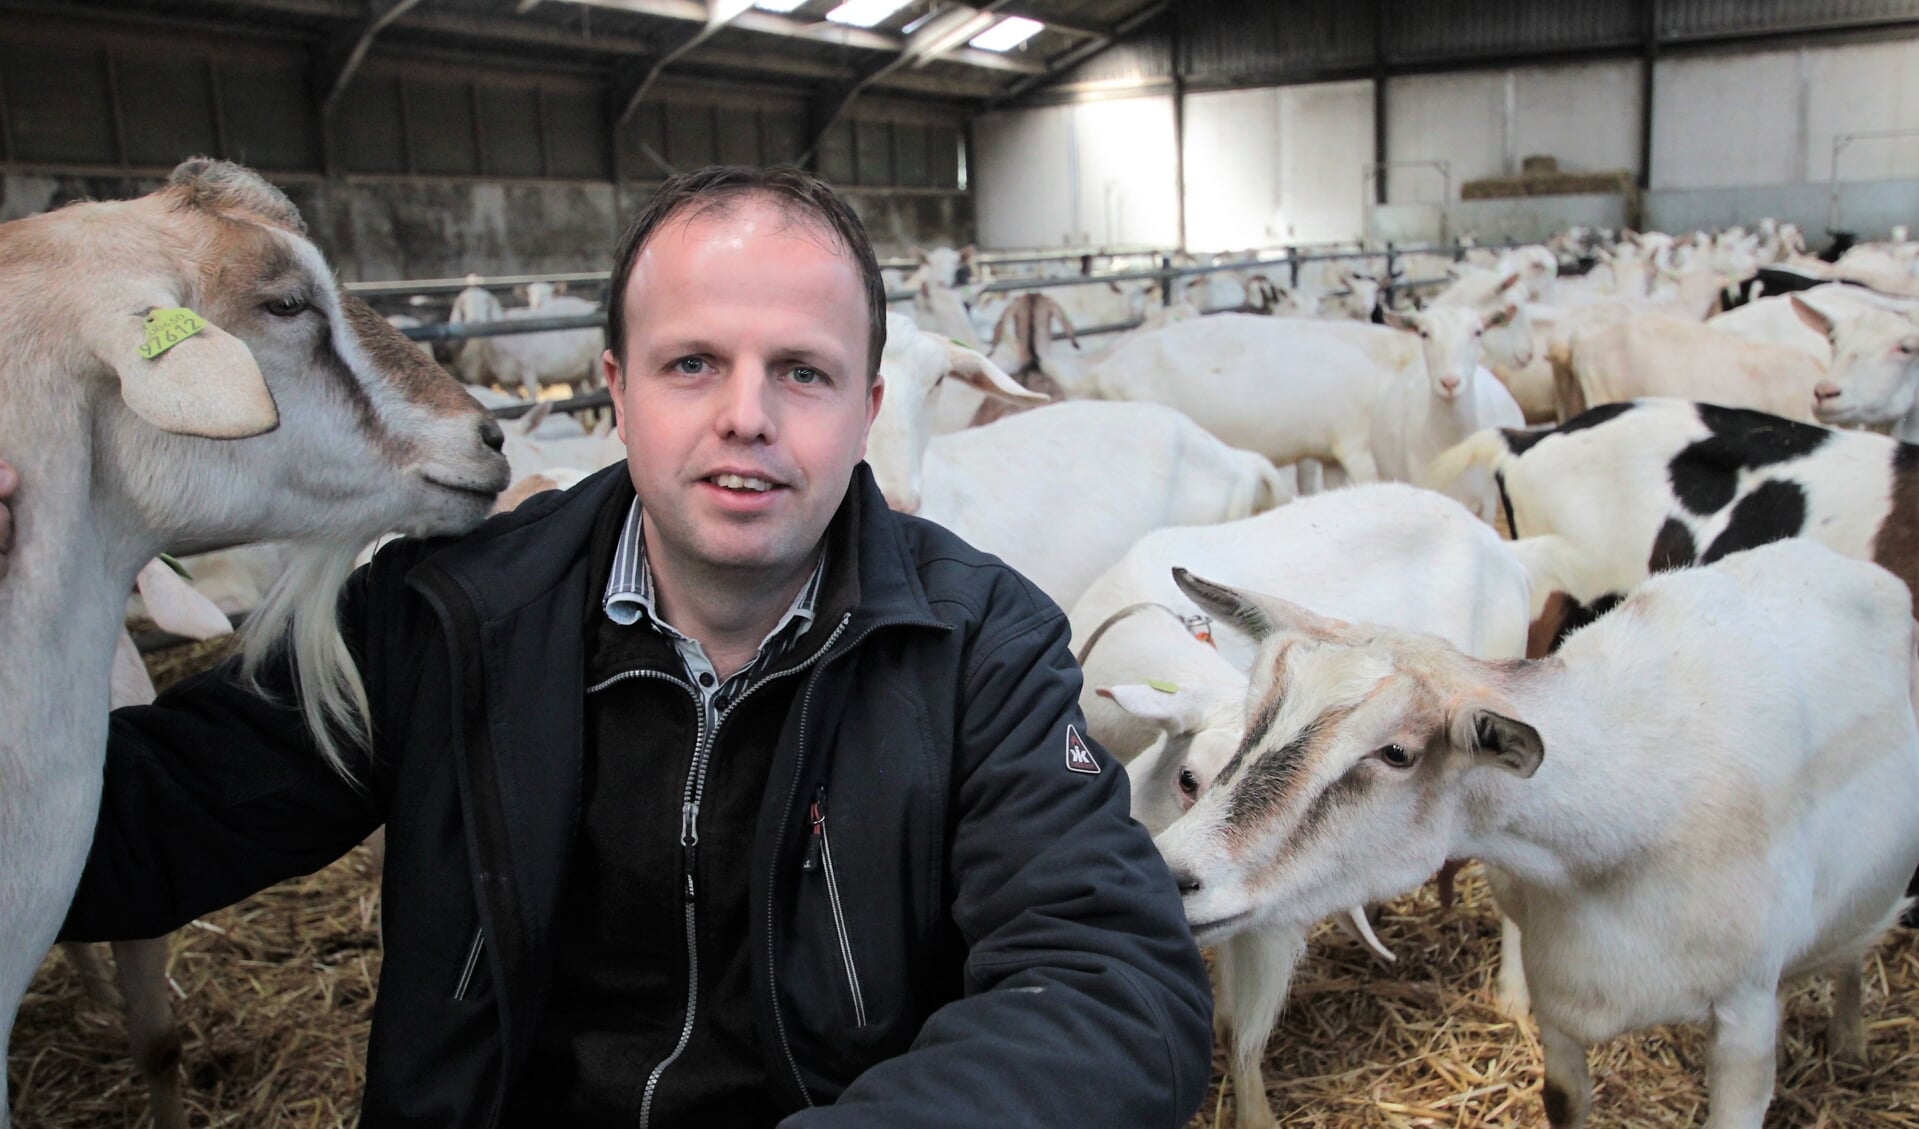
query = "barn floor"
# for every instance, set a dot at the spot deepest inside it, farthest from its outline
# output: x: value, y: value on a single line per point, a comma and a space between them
x: 278, y: 990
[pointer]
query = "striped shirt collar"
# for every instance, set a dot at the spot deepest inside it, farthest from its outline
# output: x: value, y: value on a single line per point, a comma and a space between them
x: 630, y: 593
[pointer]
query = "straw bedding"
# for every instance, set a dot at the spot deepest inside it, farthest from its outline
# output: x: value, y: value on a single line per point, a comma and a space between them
x: 274, y: 997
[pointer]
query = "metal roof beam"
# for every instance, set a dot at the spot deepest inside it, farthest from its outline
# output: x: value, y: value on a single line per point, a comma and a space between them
x: 820, y: 31
x: 1063, y: 63
x: 381, y: 13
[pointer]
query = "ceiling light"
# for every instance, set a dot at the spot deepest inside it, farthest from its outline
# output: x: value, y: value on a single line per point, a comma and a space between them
x: 865, y: 13
x: 1007, y: 34
x: 778, y: 5
x: 724, y: 11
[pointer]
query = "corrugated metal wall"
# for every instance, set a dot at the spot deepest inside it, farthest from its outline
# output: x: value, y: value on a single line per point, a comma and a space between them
x: 1223, y: 43
x: 1423, y: 30
x: 1683, y: 19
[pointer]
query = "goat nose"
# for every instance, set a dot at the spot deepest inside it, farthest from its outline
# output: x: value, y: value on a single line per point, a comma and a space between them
x: 1188, y: 883
x: 490, y: 433
x: 1451, y: 383
x: 1825, y: 390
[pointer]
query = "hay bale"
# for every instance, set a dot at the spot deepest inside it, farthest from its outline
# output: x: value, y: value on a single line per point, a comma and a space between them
x: 1615, y: 183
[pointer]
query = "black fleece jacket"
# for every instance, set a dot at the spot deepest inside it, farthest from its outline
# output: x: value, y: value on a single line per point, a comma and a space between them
x: 1021, y: 952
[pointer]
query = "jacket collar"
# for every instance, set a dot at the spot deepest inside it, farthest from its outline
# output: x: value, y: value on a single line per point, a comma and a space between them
x: 517, y: 558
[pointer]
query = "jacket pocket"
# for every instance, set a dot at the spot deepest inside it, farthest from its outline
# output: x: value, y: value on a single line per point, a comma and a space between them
x: 470, y: 965
x: 820, y: 856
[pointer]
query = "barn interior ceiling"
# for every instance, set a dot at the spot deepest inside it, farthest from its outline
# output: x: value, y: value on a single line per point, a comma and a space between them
x: 832, y: 48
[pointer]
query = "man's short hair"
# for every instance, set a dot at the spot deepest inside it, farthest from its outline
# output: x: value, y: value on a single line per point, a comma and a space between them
x: 800, y: 193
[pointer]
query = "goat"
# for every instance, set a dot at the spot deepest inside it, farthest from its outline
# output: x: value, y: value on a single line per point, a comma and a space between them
x: 182, y: 371
x: 1651, y: 887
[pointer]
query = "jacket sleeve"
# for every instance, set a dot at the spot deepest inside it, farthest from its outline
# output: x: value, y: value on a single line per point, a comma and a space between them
x: 211, y: 794
x: 1086, y: 1001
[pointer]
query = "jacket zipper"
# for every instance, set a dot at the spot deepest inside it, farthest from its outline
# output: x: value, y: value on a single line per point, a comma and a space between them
x: 786, y: 812
x: 824, y: 846
x: 472, y: 961
x: 689, y: 844
x: 690, y: 798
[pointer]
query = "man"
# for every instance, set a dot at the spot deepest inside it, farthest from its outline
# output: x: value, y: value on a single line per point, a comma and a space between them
x: 715, y: 792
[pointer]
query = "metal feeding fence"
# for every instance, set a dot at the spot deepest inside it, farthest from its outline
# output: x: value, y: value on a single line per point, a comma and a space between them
x: 1291, y: 260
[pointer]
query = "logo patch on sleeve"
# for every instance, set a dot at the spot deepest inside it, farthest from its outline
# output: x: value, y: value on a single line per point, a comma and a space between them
x: 1079, y: 757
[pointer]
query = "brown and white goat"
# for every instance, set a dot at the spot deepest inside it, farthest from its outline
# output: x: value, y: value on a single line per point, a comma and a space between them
x: 290, y: 411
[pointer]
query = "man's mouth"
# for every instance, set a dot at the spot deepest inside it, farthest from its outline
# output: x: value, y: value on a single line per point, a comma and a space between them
x: 741, y: 482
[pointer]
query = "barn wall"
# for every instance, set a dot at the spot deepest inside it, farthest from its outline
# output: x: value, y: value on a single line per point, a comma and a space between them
x: 1094, y: 173
x: 1276, y: 165
x: 430, y: 167
x: 1738, y: 133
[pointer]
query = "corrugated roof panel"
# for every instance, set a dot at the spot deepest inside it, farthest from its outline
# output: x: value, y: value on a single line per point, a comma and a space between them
x: 1233, y: 39
x: 1425, y: 30
x: 1695, y: 18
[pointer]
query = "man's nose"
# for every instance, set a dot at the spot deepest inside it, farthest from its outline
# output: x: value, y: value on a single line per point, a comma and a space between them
x: 746, y: 411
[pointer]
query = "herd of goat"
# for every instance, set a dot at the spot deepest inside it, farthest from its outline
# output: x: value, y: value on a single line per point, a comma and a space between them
x: 1671, y: 709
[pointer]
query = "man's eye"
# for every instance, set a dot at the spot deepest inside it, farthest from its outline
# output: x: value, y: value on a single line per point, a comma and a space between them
x: 804, y: 375
x: 691, y: 366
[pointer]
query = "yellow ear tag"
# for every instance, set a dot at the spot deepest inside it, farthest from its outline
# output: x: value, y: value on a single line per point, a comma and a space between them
x: 1162, y: 687
x: 167, y: 327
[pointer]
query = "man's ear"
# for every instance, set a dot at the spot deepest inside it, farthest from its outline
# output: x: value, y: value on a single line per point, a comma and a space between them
x: 615, y: 384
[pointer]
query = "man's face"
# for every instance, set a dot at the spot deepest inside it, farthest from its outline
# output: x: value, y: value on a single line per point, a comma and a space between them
x: 742, y: 398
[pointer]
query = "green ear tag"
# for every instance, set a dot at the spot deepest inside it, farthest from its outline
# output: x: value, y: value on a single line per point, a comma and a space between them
x: 167, y: 327
x: 1162, y: 687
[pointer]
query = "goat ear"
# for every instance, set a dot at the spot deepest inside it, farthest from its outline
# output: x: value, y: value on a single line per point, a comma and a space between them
x: 1398, y: 320
x: 1500, y: 741
x: 535, y: 416
x: 129, y: 684
x: 1255, y: 613
x: 966, y: 365
x: 1174, y: 711
x: 1813, y: 316
x: 183, y: 374
x: 176, y: 606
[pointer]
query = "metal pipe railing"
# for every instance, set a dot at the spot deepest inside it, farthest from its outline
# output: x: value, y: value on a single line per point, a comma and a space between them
x: 460, y: 331
x: 1164, y: 273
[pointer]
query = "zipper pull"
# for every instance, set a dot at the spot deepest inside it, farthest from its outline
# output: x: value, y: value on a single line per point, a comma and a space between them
x: 690, y: 823
x: 817, y: 816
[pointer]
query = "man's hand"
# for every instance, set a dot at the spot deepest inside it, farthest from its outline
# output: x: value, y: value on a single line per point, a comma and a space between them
x: 9, y: 479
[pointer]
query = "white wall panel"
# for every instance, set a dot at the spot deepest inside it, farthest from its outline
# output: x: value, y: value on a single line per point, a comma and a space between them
x: 1232, y: 168
x: 1869, y: 86
x: 1126, y: 166
x: 1271, y: 166
x: 1021, y: 175
x: 1328, y: 130
x: 1724, y: 120
x: 1456, y: 118
x: 1090, y: 173
x: 1586, y: 115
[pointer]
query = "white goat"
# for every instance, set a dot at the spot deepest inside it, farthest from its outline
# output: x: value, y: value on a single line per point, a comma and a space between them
x: 1651, y: 887
x: 1286, y: 388
x: 1000, y: 486
x: 1174, y: 703
x: 527, y: 360
x: 181, y: 371
x: 1423, y: 413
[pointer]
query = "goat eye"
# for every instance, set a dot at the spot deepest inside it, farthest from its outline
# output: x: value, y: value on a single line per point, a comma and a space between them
x: 1396, y: 755
x: 290, y: 306
x: 1188, y: 783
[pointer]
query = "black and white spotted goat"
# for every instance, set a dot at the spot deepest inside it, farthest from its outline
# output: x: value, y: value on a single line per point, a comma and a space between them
x: 1653, y: 485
